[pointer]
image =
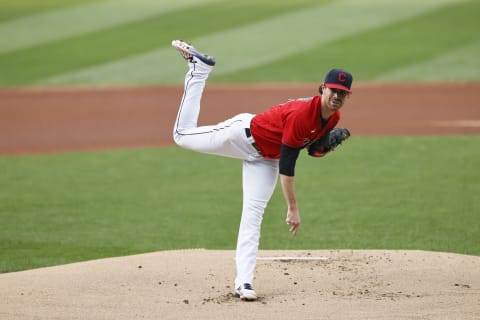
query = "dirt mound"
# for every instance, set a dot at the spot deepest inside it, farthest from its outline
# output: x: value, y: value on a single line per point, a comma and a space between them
x: 197, y: 284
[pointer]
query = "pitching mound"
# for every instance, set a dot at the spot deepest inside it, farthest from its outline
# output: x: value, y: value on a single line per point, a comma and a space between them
x: 197, y: 284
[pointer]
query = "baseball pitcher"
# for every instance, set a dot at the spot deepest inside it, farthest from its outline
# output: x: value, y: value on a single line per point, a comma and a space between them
x: 269, y: 144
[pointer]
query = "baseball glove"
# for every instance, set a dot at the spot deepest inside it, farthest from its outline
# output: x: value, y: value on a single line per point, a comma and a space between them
x: 328, y: 142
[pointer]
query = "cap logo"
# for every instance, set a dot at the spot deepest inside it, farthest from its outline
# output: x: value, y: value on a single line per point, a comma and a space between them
x: 342, y: 77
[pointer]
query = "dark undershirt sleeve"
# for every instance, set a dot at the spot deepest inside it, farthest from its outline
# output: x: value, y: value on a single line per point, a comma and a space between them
x: 288, y: 158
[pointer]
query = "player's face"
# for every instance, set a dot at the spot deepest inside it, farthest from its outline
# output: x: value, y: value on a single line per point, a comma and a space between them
x: 334, y: 98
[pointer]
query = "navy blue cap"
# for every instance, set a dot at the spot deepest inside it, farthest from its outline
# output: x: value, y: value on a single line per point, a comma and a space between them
x: 339, y: 79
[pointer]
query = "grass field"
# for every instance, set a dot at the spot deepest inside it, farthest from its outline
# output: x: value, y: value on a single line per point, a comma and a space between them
x: 379, y: 193
x: 385, y: 193
x: 100, y: 42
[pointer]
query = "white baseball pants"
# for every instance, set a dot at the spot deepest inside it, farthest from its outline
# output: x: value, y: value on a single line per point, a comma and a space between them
x: 228, y: 139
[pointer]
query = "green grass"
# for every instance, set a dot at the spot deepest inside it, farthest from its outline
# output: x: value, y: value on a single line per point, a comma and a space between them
x: 394, y: 193
x: 20, y: 8
x: 269, y: 41
x: 373, y: 53
x: 95, y: 48
x: 378, y: 193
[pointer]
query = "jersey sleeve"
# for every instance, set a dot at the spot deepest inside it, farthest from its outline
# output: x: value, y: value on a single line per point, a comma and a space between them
x: 288, y: 159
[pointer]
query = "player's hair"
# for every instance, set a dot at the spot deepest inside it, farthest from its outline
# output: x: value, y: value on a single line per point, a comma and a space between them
x: 320, y: 89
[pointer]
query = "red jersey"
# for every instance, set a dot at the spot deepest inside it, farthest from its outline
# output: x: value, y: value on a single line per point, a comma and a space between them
x: 295, y: 124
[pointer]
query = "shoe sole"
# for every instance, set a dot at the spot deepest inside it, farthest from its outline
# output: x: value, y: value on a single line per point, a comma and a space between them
x: 246, y: 298
x: 188, y: 52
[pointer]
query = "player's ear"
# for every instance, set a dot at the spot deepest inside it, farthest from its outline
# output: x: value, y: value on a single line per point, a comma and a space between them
x: 320, y: 89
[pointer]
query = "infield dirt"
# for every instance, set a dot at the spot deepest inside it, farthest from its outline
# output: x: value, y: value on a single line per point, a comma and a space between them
x: 52, y: 120
x: 197, y: 284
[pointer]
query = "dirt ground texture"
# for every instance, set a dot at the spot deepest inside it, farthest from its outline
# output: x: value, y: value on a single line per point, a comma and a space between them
x: 198, y: 284
x: 50, y: 120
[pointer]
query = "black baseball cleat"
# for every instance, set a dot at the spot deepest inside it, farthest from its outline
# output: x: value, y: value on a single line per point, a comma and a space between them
x: 190, y: 53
